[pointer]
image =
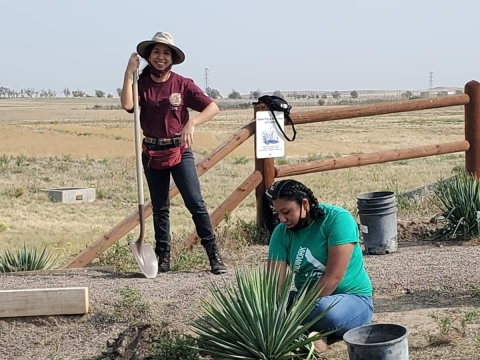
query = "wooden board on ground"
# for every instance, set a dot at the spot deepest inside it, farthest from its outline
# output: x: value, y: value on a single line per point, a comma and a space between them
x: 44, y: 302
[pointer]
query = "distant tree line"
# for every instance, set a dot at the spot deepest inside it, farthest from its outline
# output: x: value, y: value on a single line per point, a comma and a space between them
x: 7, y: 93
x: 25, y: 93
x: 80, y: 93
x: 213, y: 93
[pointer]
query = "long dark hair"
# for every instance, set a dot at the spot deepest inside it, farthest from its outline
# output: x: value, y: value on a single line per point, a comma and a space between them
x: 148, y: 50
x: 292, y: 190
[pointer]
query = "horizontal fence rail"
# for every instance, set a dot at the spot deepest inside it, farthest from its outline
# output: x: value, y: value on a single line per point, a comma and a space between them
x: 370, y: 159
x: 307, y: 117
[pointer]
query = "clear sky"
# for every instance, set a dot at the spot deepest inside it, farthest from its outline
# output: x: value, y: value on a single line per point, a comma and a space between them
x: 246, y: 44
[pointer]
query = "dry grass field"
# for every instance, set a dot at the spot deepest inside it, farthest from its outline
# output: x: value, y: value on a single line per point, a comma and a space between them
x: 49, y: 143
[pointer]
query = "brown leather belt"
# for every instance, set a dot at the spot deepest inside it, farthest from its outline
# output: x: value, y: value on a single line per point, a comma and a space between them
x: 161, y: 142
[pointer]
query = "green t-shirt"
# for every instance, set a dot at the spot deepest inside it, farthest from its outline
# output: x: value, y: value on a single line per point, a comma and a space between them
x: 306, y: 250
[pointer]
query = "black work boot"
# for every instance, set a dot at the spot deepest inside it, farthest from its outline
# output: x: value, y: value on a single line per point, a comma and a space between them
x: 218, y: 267
x: 163, y: 256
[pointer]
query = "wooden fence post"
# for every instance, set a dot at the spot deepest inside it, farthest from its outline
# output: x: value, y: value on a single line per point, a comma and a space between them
x: 472, y: 128
x: 266, y: 168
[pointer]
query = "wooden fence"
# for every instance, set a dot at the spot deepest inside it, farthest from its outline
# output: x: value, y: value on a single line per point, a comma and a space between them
x: 265, y: 171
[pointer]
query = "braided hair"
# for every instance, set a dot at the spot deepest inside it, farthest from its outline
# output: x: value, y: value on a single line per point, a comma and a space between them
x: 292, y: 190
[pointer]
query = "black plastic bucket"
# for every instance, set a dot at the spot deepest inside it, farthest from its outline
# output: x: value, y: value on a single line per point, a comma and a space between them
x: 378, y: 221
x: 377, y: 342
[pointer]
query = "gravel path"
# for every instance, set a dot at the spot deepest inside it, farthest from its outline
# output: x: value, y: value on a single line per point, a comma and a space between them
x: 416, y: 274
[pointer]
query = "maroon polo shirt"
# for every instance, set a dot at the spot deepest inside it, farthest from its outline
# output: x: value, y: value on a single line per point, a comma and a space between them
x: 164, y: 106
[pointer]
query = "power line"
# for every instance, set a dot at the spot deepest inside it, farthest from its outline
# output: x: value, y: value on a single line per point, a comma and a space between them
x: 206, y: 76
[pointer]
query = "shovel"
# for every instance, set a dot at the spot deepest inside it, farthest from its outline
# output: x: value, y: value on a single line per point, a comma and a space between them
x: 143, y: 252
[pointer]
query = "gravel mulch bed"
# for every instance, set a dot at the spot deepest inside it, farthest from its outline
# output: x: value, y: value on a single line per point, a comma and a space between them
x: 420, y: 275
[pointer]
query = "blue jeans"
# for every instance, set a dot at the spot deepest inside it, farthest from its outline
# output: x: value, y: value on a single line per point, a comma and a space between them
x: 186, y: 179
x: 349, y: 311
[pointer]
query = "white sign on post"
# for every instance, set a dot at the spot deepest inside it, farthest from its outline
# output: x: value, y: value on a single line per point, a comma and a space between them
x: 270, y: 141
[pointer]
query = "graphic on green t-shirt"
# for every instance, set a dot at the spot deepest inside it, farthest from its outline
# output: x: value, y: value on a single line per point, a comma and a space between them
x: 305, y: 255
x: 306, y: 250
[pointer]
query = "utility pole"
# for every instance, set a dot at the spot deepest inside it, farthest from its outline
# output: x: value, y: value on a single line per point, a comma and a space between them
x: 206, y: 76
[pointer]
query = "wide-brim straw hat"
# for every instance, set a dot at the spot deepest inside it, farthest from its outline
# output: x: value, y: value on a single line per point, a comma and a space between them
x: 162, y: 38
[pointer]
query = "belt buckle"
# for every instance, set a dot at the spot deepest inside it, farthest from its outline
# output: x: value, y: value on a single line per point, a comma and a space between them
x: 151, y: 140
x: 177, y: 141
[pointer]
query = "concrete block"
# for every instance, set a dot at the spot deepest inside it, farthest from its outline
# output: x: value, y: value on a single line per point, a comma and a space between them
x: 71, y: 195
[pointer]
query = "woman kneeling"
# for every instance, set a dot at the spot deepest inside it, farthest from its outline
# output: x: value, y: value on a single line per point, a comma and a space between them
x: 320, y: 242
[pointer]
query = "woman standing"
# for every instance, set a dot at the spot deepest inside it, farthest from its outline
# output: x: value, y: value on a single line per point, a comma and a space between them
x: 164, y: 99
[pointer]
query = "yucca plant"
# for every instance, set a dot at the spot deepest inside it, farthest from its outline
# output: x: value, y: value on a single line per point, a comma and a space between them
x: 27, y: 259
x: 251, y: 321
x: 459, y: 201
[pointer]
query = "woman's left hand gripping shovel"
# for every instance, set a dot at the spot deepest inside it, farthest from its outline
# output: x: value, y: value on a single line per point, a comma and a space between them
x: 143, y: 252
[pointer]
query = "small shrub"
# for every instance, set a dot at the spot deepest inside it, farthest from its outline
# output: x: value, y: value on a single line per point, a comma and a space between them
x: 240, y: 160
x: 458, y: 169
x: 20, y: 160
x: 312, y: 157
x: 243, y: 232
x: 3, y: 227
x: 185, y: 259
x: 119, y: 255
x: 27, y: 259
x: 459, y: 202
x: 451, y: 326
x: 471, y: 316
x: 131, y: 307
x: 14, y: 192
x: 282, y: 161
x: 101, y: 194
x: 252, y: 233
x: 175, y: 346
x: 404, y: 203
x: 4, y: 160
x: 316, y: 157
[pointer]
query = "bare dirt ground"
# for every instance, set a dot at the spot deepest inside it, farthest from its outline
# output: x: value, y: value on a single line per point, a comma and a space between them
x: 432, y: 288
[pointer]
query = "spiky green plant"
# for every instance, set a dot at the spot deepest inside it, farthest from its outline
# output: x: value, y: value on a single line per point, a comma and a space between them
x: 458, y: 199
x: 27, y: 259
x: 251, y: 321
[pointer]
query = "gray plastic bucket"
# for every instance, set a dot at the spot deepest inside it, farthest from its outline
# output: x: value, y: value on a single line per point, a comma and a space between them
x: 378, y: 221
x: 377, y: 342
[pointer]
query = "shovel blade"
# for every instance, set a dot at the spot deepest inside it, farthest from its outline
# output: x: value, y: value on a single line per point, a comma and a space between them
x: 146, y: 258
